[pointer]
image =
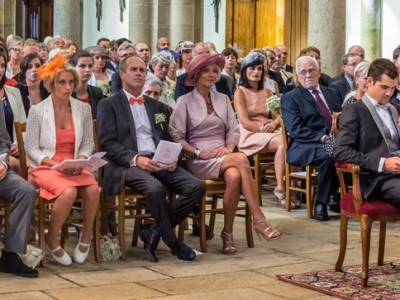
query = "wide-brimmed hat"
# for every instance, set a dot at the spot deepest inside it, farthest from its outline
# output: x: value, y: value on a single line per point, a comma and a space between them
x: 98, y: 50
x: 201, y: 61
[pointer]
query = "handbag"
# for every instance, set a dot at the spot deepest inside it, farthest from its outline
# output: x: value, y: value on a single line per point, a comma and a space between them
x: 329, y: 143
x: 32, y: 257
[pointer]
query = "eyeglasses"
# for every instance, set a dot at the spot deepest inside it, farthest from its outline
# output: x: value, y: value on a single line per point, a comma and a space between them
x: 304, y: 73
x: 16, y: 49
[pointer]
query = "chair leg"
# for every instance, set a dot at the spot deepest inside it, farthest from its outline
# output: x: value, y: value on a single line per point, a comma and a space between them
x: 213, y: 215
x: 181, y: 229
x: 202, y: 225
x: 121, y: 223
x: 382, y: 240
x: 41, y: 227
x: 365, y: 224
x: 136, y: 229
x: 343, y: 242
x: 249, y: 228
x: 288, y: 195
x: 96, y: 237
x: 309, y: 201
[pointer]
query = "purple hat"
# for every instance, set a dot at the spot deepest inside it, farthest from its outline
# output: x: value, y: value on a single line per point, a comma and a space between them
x: 201, y: 61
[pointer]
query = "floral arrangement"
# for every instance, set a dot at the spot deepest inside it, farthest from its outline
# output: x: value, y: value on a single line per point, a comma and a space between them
x: 106, y: 89
x: 274, y: 104
x: 160, y: 118
x: 109, y: 248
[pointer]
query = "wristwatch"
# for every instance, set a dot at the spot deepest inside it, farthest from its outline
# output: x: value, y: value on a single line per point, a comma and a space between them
x: 197, y: 153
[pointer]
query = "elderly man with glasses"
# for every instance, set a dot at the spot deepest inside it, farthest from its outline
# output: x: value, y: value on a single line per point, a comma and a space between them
x: 307, y: 115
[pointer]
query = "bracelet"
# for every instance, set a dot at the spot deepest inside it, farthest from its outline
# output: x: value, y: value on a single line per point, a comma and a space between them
x: 197, y: 153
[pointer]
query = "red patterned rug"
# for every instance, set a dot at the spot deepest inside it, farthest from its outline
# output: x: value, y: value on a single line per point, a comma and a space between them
x: 383, y: 283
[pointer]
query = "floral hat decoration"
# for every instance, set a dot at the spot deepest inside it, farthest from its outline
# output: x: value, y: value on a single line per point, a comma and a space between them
x: 48, y: 70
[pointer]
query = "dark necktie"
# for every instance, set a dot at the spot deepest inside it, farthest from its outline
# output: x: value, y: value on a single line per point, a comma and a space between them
x: 325, y: 111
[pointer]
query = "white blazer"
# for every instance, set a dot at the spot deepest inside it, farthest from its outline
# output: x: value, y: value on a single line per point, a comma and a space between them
x: 17, y: 106
x: 40, y: 137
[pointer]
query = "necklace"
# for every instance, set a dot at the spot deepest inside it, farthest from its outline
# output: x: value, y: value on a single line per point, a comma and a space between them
x: 208, y: 101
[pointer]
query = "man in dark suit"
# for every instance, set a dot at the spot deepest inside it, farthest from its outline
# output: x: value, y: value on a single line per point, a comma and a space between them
x: 22, y: 196
x: 307, y: 115
x: 130, y: 126
x: 369, y: 135
x: 345, y: 84
x: 285, y: 53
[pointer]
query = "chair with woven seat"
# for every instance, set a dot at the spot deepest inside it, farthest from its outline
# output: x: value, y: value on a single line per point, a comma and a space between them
x: 308, y: 178
x: 41, y: 213
x: 353, y: 206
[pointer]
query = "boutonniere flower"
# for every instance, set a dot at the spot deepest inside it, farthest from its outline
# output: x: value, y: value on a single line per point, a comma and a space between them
x: 160, y: 118
x: 274, y: 104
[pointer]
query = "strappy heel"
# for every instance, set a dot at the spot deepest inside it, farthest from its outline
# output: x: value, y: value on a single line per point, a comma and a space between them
x: 280, y: 196
x: 265, y: 230
x: 228, y: 245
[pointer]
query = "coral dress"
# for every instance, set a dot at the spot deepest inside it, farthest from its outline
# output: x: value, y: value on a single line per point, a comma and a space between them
x: 52, y: 182
x: 252, y: 142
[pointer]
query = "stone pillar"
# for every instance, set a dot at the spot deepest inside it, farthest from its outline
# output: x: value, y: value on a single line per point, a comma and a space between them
x: 326, y: 31
x: 371, y: 25
x: 140, y: 21
x: 67, y: 19
x: 7, y: 17
x: 183, y: 17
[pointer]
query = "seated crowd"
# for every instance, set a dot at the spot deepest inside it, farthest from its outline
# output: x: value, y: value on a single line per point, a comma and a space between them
x: 219, y: 106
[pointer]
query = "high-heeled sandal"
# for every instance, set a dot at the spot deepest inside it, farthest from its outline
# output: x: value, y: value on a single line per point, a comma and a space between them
x: 264, y: 229
x: 280, y: 196
x: 228, y: 245
x: 80, y: 257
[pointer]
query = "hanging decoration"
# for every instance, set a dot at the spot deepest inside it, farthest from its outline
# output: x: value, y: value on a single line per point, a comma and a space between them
x: 216, y: 4
x: 98, y: 13
x: 122, y: 7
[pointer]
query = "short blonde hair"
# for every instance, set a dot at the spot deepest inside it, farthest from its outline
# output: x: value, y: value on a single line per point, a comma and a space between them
x: 51, y: 82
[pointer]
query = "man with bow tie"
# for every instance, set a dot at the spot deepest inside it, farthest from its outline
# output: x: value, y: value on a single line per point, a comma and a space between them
x: 130, y: 125
x: 369, y: 135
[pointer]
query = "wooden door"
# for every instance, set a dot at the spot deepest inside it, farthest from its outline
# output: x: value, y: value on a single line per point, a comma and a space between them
x: 38, y: 19
x: 259, y: 23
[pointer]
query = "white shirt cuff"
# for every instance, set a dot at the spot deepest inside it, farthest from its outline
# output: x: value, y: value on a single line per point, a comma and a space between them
x: 133, y: 161
x: 381, y: 163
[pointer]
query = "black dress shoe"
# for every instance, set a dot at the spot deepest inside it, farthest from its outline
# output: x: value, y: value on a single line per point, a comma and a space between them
x: 320, y: 212
x: 10, y: 262
x: 182, y: 251
x: 334, y: 203
x: 150, y: 237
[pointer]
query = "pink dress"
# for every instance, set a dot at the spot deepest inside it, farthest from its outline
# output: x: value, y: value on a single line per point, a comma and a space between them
x: 252, y: 142
x: 52, y: 182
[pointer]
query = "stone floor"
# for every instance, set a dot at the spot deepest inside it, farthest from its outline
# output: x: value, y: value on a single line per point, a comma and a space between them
x: 306, y: 245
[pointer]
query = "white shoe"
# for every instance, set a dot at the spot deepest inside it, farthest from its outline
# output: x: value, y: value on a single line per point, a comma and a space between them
x: 80, y: 257
x: 64, y: 260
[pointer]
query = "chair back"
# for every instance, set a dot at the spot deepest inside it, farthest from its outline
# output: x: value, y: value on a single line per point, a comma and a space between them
x: 95, y: 139
x: 20, y: 129
x: 335, y: 123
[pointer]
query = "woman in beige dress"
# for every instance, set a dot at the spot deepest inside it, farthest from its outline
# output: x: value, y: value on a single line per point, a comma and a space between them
x: 259, y: 126
x: 204, y: 123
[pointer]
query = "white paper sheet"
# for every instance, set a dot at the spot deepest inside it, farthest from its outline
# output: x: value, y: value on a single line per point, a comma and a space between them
x: 167, y: 152
x: 92, y: 163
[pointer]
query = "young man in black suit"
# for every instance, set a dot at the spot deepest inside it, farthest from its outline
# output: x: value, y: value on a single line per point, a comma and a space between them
x: 130, y: 126
x: 369, y: 135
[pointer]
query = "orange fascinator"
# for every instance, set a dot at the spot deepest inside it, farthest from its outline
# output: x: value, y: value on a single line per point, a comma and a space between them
x: 48, y: 70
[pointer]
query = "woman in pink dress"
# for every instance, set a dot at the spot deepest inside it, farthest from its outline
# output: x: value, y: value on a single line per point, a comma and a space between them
x: 258, y: 124
x: 204, y: 123
x: 59, y: 128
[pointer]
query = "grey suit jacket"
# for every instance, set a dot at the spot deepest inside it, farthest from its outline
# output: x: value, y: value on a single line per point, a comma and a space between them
x: 361, y: 140
x: 117, y: 136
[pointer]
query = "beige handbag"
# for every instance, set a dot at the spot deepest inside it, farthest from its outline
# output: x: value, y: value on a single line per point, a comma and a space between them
x: 33, y: 256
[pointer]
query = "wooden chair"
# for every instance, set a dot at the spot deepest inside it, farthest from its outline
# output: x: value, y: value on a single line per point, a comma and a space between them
x: 353, y: 206
x: 126, y: 205
x: 209, y: 205
x: 263, y: 169
x: 41, y: 214
x: 307, y: 177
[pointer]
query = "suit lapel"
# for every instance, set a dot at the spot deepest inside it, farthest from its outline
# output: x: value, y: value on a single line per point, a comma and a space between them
x: 126, y: 113
x: 308, y: 97
x: 151, y: 111
x: 395, y: 117
x: 375, y: 116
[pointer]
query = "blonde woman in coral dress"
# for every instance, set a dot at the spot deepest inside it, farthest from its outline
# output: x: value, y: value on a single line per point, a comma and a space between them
x: 58, y: 128
x: 258, y: 125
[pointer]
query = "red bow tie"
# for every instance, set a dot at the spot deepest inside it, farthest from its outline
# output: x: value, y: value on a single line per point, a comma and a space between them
x: 139, y: 100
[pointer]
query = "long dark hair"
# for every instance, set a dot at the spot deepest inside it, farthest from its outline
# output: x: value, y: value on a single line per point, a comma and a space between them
x: 243, y: 78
